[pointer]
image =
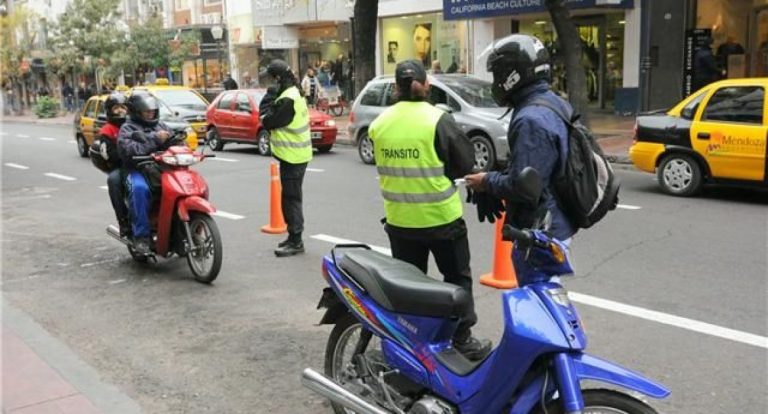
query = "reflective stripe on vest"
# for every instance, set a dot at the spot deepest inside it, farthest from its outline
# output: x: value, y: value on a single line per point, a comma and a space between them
x: 416, y: 192
x: 292, y: 143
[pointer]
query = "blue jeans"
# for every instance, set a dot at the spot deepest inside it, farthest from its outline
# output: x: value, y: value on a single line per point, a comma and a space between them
x: 140, y: 201
x: 115, y: 187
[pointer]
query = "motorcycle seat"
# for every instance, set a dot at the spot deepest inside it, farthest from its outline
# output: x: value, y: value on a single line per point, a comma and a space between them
x: 401, y: 287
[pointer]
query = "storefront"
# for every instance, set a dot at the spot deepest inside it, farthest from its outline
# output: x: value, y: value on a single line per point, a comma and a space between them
x: 427, y: 37
x: 323, y: 42
x: 207, y: 68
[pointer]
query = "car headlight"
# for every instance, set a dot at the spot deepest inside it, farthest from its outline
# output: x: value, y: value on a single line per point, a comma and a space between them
x: 330, y: 123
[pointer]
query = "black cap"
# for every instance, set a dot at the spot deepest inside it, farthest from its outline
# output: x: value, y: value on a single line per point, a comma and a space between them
x: 408, y: 71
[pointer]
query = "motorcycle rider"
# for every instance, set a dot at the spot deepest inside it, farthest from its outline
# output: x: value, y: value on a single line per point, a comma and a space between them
x: 420, y: 150
x: 103, y: 154
x: 537, y: 136
x: 142, y: 134
x: 286, y: 117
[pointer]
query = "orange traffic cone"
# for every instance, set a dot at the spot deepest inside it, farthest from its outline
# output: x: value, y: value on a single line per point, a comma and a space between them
x: 276, y: 221
x: 503, y: 274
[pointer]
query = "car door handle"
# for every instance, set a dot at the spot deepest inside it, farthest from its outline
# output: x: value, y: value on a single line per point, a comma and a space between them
x: 703, y: 135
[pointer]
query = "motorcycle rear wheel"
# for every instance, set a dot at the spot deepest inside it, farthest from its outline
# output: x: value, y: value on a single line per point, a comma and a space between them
x: 601, y: 401
x: 205, y: 255
x: 338, y: 355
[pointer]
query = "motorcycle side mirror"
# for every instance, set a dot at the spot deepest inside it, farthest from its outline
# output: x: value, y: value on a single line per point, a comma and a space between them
x: 528, y: 184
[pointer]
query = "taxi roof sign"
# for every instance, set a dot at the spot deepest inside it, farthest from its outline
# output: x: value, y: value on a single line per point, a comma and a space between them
x: 162, y: 82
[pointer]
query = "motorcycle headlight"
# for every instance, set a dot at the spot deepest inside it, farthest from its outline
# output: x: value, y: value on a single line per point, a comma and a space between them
x: 560, y: 296
x: 330, y: 123
x: 182, y: 160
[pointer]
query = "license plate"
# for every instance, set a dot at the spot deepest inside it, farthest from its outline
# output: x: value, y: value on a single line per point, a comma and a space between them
x: 317, y: 135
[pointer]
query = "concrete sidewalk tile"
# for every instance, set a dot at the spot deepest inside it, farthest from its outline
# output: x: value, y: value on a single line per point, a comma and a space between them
x: 27, y: 379
x: 74, y: 404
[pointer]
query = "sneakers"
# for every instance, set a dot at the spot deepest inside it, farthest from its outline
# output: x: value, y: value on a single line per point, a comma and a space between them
x: 141, y: 246
x: 290, y: 248
x: 472, y: 348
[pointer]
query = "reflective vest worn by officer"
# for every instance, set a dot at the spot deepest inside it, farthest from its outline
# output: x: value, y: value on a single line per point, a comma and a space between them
x: 416, y: 192
x: 292, y: 143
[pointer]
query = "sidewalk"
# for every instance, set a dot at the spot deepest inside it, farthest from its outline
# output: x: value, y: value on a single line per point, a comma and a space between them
x: 40, y: 375
x: 614, y: 133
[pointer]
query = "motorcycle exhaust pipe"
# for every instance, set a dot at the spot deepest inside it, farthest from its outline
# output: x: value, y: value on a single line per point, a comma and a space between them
x: 113, y: 231
x: 330, y: 389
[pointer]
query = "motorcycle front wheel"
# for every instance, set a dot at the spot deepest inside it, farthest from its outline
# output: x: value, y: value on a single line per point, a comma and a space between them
x: 205, y: 253
x: 600, y: 401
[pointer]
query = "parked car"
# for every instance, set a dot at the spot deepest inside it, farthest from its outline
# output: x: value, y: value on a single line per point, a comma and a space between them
x: 469, y: 99
x: 717, y: 135
x: 93, y: 116
x: 184, y: 103
x: 234, y: 117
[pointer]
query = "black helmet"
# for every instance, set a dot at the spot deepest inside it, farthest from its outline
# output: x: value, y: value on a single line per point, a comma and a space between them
x: 279, y: 69
x: 516, y: 61
x: 140, y: 102
x: 114, y: 99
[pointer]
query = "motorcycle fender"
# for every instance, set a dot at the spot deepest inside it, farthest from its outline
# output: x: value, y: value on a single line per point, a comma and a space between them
x: 588, y: 367
x: 334, y: 308
x: 194, y: 203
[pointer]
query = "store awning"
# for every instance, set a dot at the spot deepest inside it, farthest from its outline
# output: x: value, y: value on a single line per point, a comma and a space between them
x: 474, y: 9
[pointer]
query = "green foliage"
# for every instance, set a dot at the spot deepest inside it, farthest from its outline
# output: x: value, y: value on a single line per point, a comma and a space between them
x: 16, y: 40
x: 90, y: 27
x: 46, y: 107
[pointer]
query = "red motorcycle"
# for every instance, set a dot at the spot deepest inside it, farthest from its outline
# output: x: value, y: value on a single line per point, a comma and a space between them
x: 181, y: 221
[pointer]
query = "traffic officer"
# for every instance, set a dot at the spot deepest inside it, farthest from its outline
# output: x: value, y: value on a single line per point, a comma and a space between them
x: 419, y: 151
x: 287, y: 120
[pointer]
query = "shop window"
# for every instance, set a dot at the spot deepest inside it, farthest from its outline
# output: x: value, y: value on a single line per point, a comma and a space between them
x: 373, y: 95
x: 226, y: 101
x: 736, y: 104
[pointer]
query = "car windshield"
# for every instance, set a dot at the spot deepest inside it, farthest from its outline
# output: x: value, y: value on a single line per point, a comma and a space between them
x: 256, y: 95
x: 183, y: 98
x: 475, y: 92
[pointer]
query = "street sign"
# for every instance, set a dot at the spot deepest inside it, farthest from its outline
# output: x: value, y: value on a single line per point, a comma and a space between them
x: 470, y: 9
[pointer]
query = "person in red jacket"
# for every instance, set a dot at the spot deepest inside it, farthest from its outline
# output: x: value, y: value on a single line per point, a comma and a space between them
x: 103, y: 154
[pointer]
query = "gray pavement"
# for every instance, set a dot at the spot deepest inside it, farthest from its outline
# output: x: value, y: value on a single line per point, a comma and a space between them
x: 238, y: 346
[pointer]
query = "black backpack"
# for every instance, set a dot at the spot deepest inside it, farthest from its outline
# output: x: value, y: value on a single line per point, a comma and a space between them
x: 586, y: 188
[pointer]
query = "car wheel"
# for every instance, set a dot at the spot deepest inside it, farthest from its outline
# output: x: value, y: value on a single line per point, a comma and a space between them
x: 679, y: 175
x: 324, y: 149
x: 485, y: 155
x: 365, y: 148
x: 214, y: 139
x: 262, y: 142
x: 82, y: 146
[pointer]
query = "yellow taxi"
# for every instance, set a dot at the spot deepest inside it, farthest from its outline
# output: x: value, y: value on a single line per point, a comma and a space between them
x: 184, y: 103
x: 89, y: 120
x: 716, y: 135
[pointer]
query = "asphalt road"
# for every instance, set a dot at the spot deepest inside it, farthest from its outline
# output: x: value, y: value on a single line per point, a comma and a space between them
x: 239, y: 345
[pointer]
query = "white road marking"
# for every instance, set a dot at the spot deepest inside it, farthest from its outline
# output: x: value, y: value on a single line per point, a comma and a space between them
x: 115, y: 282
x: 222, y: 159
x: 100, y: 262
x: 72, y: 142
x: 47, y: 139
x: 22, y: 136
x: 3, y: 133
x: 315, y: 170
x: 230, y: 216
x: 18, y: 166
x: 638, y: 312
x: 628, y: 207
x: 104, y: 187
x: 336, y: 240
x: 60, y: 177
x: 672, y: 320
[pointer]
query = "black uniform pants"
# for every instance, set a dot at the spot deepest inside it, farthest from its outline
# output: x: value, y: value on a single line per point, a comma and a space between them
x: 452, y: 258
x: 291, y: 180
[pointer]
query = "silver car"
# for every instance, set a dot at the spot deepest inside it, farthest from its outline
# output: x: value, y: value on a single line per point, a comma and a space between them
x: 467, y: 98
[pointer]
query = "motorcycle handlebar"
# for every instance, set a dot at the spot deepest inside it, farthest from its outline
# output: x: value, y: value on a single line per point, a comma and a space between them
x: 523, y: 238
x: 142, y: 157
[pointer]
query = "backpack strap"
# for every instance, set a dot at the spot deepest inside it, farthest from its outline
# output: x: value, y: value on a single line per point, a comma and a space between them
x: 557, y: 110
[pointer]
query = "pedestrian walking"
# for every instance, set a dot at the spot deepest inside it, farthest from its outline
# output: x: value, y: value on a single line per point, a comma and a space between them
x: 419, y: 151
x: 311, y: 87
x: 69, y: 97
x: 228, y: 83
x: 285, y: 115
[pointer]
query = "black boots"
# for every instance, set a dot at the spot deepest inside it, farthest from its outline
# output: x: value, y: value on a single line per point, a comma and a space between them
x: 125, y: 228
x: 291, y: 246
x: 472, y: 348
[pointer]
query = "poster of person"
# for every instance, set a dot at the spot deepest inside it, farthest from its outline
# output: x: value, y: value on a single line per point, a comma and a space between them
x: 392, y: 47
x: 422, y: 43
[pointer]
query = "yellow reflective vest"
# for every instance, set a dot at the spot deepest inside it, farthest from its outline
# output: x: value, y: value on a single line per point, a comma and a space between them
x: 416, y: 192
x: 293, y: 143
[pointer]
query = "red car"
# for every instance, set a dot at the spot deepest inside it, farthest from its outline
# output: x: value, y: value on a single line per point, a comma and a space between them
x: 234, y: 117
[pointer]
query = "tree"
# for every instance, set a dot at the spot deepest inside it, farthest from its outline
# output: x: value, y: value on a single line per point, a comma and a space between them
x: 570, y: 42
x: 18, y: 39
x: 364, y: 36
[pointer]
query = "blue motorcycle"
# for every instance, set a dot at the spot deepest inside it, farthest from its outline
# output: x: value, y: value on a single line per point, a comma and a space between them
x: 390, y: 349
